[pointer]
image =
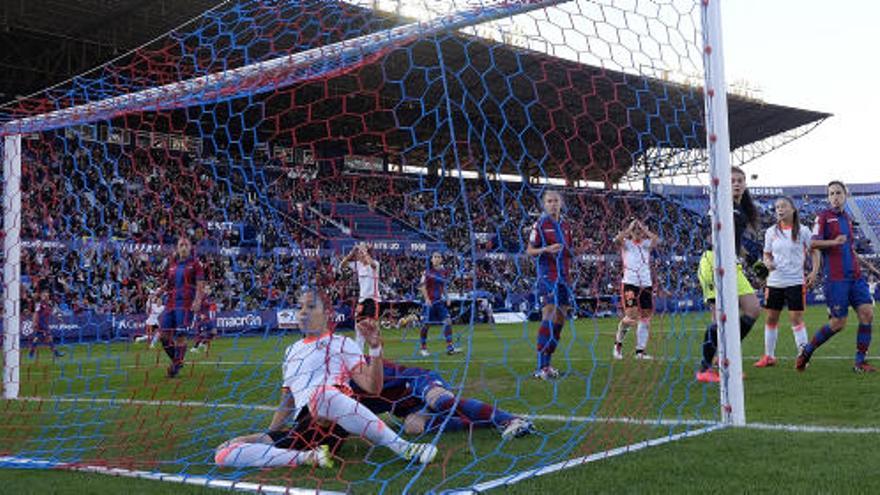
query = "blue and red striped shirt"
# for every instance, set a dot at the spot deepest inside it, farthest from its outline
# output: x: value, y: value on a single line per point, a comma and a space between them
x: 546, y: 232
x: 435, y: 283
x: 182, y: 279
x: 839, y: 263
x: 44, y: 313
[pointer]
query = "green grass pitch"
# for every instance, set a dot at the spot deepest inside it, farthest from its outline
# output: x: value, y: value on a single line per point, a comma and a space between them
x: 118, y: 409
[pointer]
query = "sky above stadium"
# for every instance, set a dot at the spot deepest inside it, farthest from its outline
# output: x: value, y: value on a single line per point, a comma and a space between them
x: 817, y: 55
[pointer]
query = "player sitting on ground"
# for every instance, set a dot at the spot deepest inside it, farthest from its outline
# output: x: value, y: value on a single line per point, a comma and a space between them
x: 419, y: 397
x: 433, y: 289
x: 316, y: 372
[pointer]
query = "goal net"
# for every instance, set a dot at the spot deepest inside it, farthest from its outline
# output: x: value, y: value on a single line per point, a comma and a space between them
x: 294, y: 142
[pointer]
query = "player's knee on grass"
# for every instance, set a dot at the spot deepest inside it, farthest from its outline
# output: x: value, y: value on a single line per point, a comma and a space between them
x: 435, y: 395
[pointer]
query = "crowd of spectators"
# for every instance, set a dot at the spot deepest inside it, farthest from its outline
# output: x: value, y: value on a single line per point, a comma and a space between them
x: 237, y: 214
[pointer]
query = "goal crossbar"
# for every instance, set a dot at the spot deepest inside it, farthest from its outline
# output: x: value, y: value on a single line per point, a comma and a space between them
x: 263, y: 76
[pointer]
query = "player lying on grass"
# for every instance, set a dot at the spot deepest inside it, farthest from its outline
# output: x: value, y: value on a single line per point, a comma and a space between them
x: 424, y: 400
x: 419, y: 397
x: 317, y: 370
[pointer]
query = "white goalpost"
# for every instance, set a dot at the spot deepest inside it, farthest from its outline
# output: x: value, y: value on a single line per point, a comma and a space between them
x: 718, y: 144
x: 12, y: 266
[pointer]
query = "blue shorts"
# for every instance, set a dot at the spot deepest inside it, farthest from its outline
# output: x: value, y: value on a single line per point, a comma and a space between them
x: 205, y: 327
x: 435, y: 312
x: 554, y: 292
x: 174, y: 319
x: 840, y: 295
x: 424, y: 382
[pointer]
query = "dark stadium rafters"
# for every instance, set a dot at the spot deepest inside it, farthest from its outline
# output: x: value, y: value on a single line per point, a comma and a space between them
x: 49, y: 41
x: 595, y: 123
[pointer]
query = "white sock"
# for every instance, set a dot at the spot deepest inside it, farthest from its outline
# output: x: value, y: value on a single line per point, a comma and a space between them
x: 355, y: 418
x: 358, y: 338
x: 622, y: 328
x: 642, y: 332
x: 800, y: 335
x: 241, y: 455
x: 770, y: 335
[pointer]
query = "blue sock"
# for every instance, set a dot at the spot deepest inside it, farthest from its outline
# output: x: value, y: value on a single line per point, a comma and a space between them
x: 544, y: 336
x: 447, y: 334
x: 423, y: 336
x: 822, y: 336
x: 863, y: 342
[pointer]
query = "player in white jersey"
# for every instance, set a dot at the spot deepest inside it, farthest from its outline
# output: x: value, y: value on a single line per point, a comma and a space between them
x: 786, y: 245
x: 316, y: 371
x: 151, y: 326
x: 637, y: 285
x: 367, y: 270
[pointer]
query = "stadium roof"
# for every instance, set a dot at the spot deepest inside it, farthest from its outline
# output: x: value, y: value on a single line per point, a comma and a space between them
x: 595, y: 122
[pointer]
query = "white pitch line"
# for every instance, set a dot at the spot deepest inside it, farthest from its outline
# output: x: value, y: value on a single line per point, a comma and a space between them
x: 559, y: 466
x: 404, y: 360
x: 813, y: 429
x: 205, y: 481
x: 540, y: 417
x: 136, y: 402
